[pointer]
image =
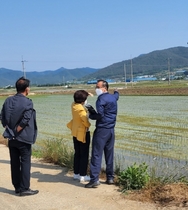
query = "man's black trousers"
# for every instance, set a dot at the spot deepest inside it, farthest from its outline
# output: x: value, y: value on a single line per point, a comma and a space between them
x: 20, y: 161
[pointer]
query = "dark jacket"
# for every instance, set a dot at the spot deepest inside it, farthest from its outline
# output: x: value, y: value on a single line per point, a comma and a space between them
x: 18, y: 110
x: 106, y: 106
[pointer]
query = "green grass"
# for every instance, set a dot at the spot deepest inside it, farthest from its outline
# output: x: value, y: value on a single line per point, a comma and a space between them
x: 55, y: 151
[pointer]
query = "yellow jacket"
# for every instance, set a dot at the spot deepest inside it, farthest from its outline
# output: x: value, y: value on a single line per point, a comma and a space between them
x: 80, y: 123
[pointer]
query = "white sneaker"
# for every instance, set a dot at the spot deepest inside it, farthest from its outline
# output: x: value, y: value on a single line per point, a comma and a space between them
x: 76, y: 176
x: 84, y: 178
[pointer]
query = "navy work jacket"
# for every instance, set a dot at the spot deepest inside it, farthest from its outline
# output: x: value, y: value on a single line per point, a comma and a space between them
x: 106, y: 106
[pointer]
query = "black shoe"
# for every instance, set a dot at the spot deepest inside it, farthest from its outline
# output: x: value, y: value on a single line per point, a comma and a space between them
x: 17, y: 191
x: 110, y: 181
x: 29, y: 192
x: 92, y: 184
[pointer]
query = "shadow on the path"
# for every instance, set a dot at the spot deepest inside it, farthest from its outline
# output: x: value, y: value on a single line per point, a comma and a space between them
x: 60, y: 177
x: 7, y: 191
x: 37, y: 165
x: 5, y: 161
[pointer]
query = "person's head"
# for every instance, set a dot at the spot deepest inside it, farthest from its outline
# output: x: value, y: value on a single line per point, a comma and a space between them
x: 101, y: 87
x: 22, y: 86
x: 80, y: 96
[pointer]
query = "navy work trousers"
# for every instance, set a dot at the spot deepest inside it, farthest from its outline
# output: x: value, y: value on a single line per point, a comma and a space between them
x: 20, y: 161
x: 81, y: 155
x: 103, y: 140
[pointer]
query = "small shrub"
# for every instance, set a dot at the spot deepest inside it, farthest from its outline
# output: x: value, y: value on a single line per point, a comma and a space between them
x: 134, y: 177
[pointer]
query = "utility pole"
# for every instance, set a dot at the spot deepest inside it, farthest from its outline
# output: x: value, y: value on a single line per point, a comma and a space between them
x: 125, y: 75
x: 23, y: 67
x: 131, y: 72
x: 63, y: 81
x: 169, y: 71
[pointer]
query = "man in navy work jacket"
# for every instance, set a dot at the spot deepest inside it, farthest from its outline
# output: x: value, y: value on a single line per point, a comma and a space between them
x: 19, y: 121
x: 103, y: 137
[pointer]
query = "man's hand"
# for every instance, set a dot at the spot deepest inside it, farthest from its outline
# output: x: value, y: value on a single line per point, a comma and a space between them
x: 90, y: 94
x: 19, y: 128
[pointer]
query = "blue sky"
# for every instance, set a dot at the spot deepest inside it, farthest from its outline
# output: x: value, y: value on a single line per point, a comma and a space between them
x: 85, y: 33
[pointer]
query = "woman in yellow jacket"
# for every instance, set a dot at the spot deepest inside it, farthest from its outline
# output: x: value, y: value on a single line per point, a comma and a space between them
x: 79, y: 126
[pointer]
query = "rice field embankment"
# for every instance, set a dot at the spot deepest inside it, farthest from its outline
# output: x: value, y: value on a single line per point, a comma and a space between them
x: 155, y: 88
x: 154, y: 91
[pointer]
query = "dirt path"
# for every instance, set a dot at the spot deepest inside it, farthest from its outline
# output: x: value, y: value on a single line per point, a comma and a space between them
x: 58, y: 190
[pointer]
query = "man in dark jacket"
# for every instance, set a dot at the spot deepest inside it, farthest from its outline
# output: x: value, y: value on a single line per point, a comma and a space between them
x: 19, y: 121
x: 103, y: 137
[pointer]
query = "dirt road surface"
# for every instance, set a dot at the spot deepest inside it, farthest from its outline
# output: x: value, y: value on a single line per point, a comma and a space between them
x: 58, y: 191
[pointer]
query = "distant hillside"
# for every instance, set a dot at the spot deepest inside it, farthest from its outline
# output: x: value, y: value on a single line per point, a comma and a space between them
x: 153, y: 63
x: 62, y: 75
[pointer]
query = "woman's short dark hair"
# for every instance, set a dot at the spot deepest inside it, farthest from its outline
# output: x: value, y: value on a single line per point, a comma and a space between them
x: 22, y: 84
x: 80, y: 96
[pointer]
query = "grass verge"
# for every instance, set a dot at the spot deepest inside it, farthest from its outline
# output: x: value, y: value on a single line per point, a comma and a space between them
x: 55, y: 151
x: 134, y: 182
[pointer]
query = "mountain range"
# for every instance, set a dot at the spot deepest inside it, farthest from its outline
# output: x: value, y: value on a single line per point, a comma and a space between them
x: 59, y: 76
x: 157, y: 63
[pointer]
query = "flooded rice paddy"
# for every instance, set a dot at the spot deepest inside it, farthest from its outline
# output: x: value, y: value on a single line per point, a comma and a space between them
x: 151, y: 129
